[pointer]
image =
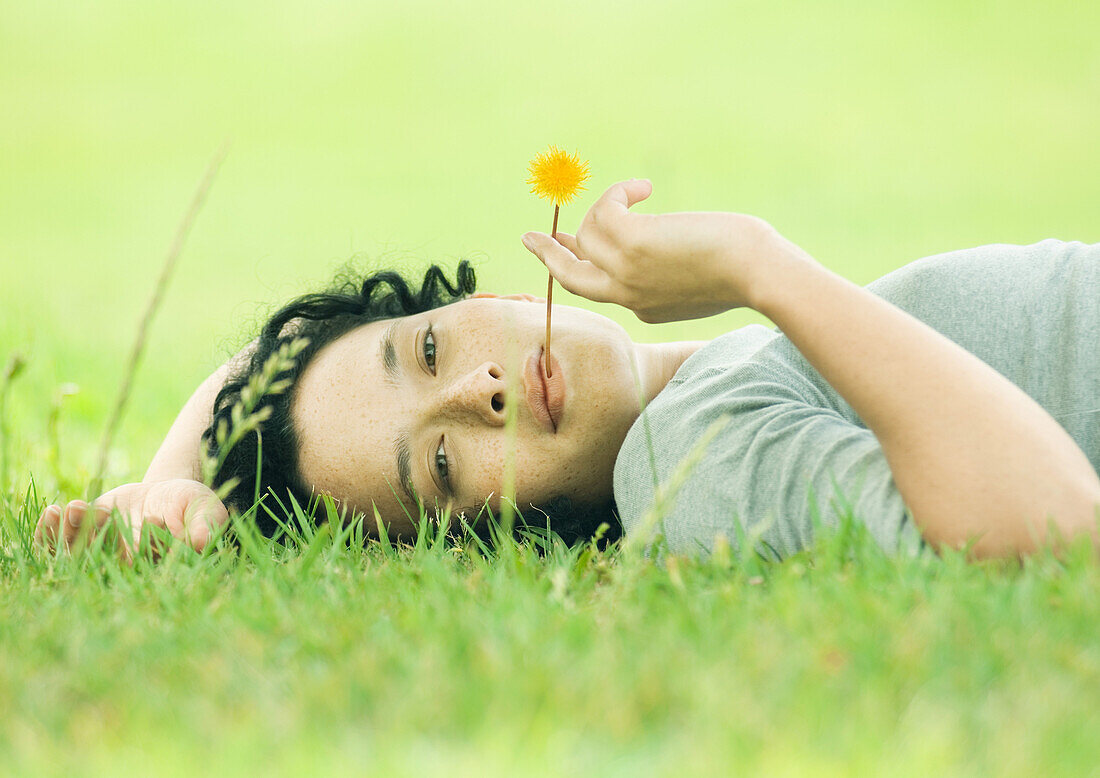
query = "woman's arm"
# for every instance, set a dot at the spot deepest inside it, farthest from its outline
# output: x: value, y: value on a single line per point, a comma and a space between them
x: 179, y: 454
x: 973, y: 456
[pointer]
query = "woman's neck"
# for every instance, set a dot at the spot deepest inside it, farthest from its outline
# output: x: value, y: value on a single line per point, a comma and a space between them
x: 658, y: 362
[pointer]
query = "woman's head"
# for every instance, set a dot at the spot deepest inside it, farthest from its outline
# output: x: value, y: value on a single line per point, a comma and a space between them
x: 403, y: 394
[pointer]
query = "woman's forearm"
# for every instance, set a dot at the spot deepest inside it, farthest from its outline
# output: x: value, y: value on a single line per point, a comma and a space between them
x: 971, y: 453
x: 179, y: 454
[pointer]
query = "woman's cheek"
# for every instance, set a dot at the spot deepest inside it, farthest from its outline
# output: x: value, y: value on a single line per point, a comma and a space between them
x: 538, y: 474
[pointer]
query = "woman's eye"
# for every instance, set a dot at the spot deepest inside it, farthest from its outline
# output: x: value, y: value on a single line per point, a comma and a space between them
x: 442, y: 468
x: 429, y: 349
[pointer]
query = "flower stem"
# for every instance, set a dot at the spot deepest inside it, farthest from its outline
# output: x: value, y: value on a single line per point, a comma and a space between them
x: 550, y: 292
x: 174, y: 251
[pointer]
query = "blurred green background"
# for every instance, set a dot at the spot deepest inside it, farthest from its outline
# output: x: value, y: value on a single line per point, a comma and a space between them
x: 871, y: 134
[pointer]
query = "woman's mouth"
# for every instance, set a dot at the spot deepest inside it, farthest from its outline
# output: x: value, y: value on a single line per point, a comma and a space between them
x: 545, y: 396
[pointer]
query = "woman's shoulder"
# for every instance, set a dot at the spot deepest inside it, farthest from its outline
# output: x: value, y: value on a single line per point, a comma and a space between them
x: 992, y: 267
x: 702, y: 417
x: 724, y: 353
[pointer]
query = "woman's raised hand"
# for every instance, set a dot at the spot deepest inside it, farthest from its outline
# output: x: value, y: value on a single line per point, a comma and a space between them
x: 664, y: 267
x: 187, y: 509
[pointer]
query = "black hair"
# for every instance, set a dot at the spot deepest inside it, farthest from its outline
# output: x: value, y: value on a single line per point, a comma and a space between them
x: 321, y: 317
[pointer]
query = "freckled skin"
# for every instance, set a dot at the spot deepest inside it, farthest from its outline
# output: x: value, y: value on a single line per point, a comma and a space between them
x: 348, y: 416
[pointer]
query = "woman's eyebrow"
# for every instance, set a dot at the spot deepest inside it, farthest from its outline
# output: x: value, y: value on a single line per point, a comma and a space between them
x: 390, y: 368
x: 404, y: 468
x: 389, y: 354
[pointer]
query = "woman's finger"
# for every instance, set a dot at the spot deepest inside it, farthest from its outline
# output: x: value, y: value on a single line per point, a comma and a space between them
x: 102, y: 515
x: 204, y: 521
x: 47, y: 530
x: 612, y: 206
x: 145, y: 527
x: 576, y: 275
x: 99, y: 520
x: 569, y: 241
x: 74, y: 517
x: 95, y: 521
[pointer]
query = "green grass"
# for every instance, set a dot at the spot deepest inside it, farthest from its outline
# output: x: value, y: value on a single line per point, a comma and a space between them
x: 871, y: 134
x: 441, y: 658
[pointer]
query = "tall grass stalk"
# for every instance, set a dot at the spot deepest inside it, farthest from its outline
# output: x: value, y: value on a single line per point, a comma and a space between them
x: 512, y: 397
x: 174, y: 252
x: 244, y: 416
x: 53, y: 438
x: 665, y: 494
x: 11, y: 372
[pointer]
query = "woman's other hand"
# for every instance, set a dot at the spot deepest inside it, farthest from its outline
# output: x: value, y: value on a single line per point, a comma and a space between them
x: 664, y: 267
x: 187, y: 509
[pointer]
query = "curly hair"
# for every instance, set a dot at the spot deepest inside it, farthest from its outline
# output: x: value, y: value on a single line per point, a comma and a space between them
x: 321, y: 318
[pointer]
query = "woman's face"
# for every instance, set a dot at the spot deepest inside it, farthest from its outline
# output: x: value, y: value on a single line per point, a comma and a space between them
x: 437, y: 413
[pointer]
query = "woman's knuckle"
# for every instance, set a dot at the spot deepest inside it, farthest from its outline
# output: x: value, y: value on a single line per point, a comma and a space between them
x: 582, y: 242
x: 634, y: 301
x: 567, y: 282
x: 621, y: 230
x: 602, y: 294
x: 615, y: 294
x: 589, y: 228
x: 632, y: 278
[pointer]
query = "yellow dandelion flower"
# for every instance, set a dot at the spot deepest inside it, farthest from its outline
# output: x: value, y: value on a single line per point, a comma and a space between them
x: 557, y: 176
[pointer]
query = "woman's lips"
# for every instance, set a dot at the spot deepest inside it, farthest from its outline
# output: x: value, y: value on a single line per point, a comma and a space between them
x: 555, y: 388
x: 545, y: 396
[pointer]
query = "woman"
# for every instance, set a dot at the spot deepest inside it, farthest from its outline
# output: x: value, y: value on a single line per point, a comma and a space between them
x: 923, y: 403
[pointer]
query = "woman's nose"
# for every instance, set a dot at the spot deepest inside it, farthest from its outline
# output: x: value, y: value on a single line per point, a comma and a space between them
x: 479, y: 391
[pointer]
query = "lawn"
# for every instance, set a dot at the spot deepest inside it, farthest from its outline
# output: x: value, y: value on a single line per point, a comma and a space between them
x: 871, y: 134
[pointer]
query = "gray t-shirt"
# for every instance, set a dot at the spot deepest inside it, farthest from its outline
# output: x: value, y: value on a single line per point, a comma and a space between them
x: 747, y: 426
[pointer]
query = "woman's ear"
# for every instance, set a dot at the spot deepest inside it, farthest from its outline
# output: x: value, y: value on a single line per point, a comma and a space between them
x: 527, y: 298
